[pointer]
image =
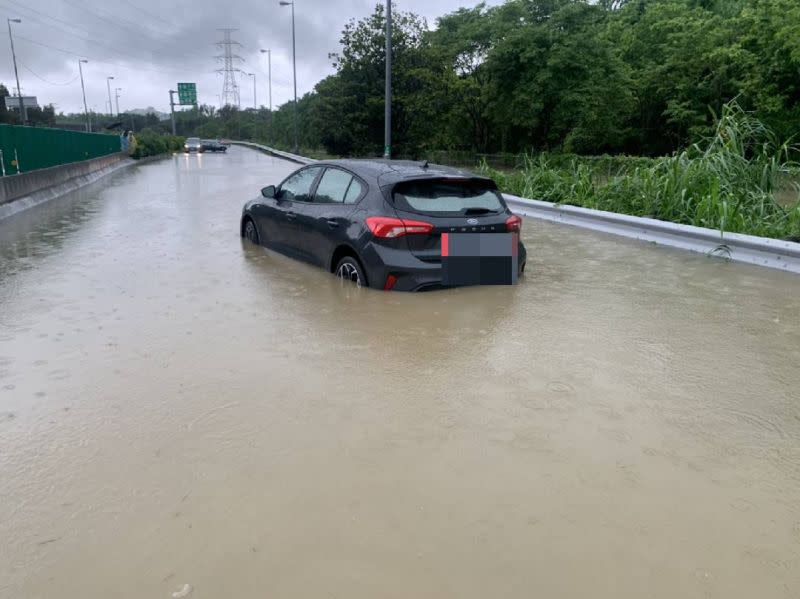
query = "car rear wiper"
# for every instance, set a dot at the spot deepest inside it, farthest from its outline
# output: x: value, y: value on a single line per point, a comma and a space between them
x: 473, y: 211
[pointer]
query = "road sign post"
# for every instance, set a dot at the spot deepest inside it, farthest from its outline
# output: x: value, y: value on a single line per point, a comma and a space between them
x: 172, y: 109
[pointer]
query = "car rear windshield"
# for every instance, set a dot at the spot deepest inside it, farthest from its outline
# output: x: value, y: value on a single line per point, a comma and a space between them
x: 448, y: 197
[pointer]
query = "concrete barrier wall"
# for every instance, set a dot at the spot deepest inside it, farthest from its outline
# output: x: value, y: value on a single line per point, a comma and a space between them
x: 13, y: 187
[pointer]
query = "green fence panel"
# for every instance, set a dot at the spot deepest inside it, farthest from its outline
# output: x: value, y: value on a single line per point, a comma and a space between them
x: 42, y: 148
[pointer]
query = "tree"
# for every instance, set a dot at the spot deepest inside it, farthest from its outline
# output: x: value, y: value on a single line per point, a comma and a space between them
x: 355, y: 93
x: 557, y: 81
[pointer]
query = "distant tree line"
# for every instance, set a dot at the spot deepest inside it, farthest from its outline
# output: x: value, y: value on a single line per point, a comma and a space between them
x: 639, y: 77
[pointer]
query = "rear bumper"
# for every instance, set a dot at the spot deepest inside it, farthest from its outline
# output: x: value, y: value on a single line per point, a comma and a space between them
x: 412, y: 274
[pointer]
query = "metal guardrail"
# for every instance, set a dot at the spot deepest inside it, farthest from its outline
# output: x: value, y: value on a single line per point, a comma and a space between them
x: 274, y: 152
x: 749, y: 249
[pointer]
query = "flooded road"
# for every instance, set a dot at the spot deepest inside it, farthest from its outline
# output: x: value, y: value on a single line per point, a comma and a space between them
x: 180, y: 408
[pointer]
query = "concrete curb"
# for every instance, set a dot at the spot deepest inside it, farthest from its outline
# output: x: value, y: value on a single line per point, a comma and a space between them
x: 56, y: 191
x: 274, y: 152
x: 749, y: 249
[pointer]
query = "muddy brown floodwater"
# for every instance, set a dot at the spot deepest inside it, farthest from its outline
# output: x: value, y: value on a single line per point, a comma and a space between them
x: 179, y: 408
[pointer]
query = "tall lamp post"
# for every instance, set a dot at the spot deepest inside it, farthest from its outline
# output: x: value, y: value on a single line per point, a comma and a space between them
x: 269, y: 75
x: 22, y: 114
x: 294, y: 71
x: 110, y: 105
x: 255, y: 100
x: 116, y: 95
x: 387, y: 115
x: 83, y: 89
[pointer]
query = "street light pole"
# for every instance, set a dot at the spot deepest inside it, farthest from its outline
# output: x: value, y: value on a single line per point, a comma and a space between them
x: 83, y: 89
x: 116, y: 93
x: 255, y: 100
x: 22, y: 114
x: 294, y: 71
x: 269, y: 75
x: 387, y: 116
x: 110, y: 105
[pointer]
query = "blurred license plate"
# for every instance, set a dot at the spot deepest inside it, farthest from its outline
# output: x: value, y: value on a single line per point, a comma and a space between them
x: 479, y: 258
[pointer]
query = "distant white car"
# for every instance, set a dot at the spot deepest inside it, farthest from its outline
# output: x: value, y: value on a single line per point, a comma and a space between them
x: 193, y: 144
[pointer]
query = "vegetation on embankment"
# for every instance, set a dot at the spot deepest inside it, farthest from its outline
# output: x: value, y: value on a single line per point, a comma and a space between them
x: 727, y: 182
x: 152, y: 143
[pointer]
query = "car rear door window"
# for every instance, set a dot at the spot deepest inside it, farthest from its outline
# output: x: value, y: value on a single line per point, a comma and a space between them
x: 298, y: 186
x: 446, y: 197
x: 354, y: 192
x: 333, y: 186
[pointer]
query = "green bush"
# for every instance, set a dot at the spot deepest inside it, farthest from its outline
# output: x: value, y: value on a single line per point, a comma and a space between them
x: 152, y: 143
x: 728, y: 183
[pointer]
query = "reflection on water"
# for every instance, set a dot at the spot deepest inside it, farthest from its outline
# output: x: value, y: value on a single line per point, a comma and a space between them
x: 179, y: 407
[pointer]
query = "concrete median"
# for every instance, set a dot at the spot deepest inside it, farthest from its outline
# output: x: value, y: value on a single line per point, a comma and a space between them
x: 23, y: 191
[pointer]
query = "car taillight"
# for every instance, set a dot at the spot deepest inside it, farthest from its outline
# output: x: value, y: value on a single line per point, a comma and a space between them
x: 513, y: 224
x: 391, y: 280
x: 388, y: 227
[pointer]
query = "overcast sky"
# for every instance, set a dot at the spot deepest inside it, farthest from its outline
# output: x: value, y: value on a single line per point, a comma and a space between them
x: 150, y: 45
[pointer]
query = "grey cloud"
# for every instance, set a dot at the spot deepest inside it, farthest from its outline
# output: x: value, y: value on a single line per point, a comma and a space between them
x: 149, y: 45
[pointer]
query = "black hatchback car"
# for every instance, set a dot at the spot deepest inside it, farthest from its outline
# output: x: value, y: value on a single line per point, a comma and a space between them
x: 407, y: 226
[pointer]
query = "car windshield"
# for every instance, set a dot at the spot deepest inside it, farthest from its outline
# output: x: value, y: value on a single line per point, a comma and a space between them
x: 448, y: 197
x: 193, y: 140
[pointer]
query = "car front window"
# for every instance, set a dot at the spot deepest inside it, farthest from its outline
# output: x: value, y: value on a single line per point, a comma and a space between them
x: 298, y: 186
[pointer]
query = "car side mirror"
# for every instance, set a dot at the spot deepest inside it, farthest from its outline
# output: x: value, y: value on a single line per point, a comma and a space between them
x: 268, y: 191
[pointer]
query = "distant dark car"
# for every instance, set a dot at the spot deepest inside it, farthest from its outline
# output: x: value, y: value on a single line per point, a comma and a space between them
x: 390, y: 224
x: 193, y: 144
x: 212, y: 145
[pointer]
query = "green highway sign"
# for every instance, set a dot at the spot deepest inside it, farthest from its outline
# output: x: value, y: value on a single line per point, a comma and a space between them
x: 187, y: 94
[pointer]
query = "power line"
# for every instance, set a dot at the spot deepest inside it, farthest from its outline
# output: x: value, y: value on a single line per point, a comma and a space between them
x: 94, y: 59
x: 143, y: 11
x: 90, y: 35
x: 45, y: 15
x: 83, y: 39
x: 108, y: 20
x: 32, y: 72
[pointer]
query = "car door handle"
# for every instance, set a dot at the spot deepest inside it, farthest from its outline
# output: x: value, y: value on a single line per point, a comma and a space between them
x: 291, y: 215
x: 332, y: 223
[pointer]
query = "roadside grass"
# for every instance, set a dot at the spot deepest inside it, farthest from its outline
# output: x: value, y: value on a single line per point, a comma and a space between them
x: 741, y: 180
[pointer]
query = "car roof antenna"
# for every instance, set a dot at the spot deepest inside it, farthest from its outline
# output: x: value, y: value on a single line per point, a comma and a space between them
x: 425, y: 164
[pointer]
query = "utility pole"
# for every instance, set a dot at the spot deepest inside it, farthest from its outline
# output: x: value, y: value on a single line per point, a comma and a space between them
x: 172, y: 108
x: 294, y: 71
x: 269, y: 75
x: 83, y: 89
x: 110, y: 105
x: 116, y: 93
x: 22, y: 115
x: 387, y: 115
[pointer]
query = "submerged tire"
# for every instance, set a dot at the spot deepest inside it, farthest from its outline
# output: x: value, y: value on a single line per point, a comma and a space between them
x: 349, y: 269
x: 250, y: 232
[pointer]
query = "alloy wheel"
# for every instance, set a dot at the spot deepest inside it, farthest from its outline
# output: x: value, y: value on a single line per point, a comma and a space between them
x: 349, y: 272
